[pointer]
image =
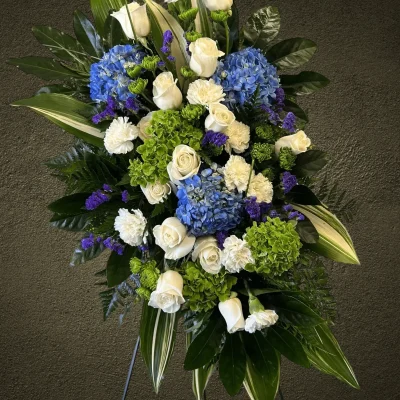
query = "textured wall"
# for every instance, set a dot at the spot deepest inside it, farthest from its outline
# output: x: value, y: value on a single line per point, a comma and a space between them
x: 53, y: 342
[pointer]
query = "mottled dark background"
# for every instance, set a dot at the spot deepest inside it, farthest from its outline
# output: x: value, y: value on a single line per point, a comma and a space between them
x: 53, y: 341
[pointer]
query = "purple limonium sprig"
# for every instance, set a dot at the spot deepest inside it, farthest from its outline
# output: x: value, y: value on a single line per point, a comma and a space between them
x: 296, y: 215
x: 254, y: 209
x: 289, y: 123
x: 216, y: 138
x: 289, y: 181
x: 125, y: 196
x: 87, y: 242
x: 273, y: 116
x: 114, y: 245
x: 108, y: 113
x: 274, y: 214
x: 132, y: 105
x: 96, y: 199
x: 221, y: 236
x: 287, y: 207
x: 168, y: 37
x: 107, y: 188
x: 143, y: 248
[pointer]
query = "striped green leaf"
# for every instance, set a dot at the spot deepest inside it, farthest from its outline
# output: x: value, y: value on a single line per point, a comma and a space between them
x: 101, y: 9
x: 202, y: 23
x: 161, y: 20
x: 334, y: 240
x: 66, y: 112
x: 157, y: 334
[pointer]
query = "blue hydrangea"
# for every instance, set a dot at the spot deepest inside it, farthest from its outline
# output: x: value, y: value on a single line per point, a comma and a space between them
x: 206, y: 206
x: 108, y: 77
x: 241, y: 73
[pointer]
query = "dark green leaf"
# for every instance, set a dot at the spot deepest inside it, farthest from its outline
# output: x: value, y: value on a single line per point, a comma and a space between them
x: 306, y: 82
x: 307, y: 232
x: 291, y: 53
x: 232, y: 364
x: 301, y: 194
x: 205, y: 345
x: 87, y: 35
x: 233, y: 24
x: 75, y: 223
x: 60, y: 89
x: 262, y: 27
x: 74, y: 203
x: 118, y: 266
x: 60, y: 44
x: 101, y: 9
x: 287, y: 344
x: 293, y: 311
x: 327, y: 356
x: 44, y: 68
x: 263, y: 367
x: 203, y: 22
x: 310, y: 162
x: 113, y: 32
x: 301, y: 115
x: 80, y: 256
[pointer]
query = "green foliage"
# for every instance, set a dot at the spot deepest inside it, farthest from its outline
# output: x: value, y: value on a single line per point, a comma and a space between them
x: 262, y: 151
x: 101, y: 10
x: 268, y: 173
x: 269, y: 133
x: 193, y: 112
x: 275, y: 246
x: 118, y: 266
x: 287, y: 159
x: 301, y: 115
x: 306, y: 82
x: 148, y: 273
x: 310, y: 162
x: 80, y: 256
x: 203, y: 290
x: 168, y: 129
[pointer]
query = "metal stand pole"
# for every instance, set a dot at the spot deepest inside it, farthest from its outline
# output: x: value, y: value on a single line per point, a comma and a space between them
x: 128, y: 378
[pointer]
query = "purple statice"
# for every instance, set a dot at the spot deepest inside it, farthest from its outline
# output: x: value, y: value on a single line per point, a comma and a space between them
x: 125, y: 196
x: 221, y: 236
x: 279, y: 100
x: 114, y: 245
x: 168, y: 37
x: 171, y: 58
x: 161, y: 64
x: 96, y: 199
x: 254, y: 209
x: 87, y: 242
x: 289, y: 181
x: 216, y: 138
x: 132, y: 105
x: 107, y: 113
x: 289, y: 123
x: 287, y: 208
x: 296, y: 215
x: 143, y: 248
x: 273, y: 116
x: 107, y: 188
x: 274, y: 214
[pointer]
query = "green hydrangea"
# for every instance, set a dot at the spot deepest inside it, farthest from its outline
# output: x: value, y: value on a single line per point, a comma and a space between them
x: 203, y: 291
x: 270, y: 133
x: 148, y: 275
x: 287, y: 159
x: 262, y: 151
x: 275, y: 246
x: 269, y: 173
x: 167, y: 129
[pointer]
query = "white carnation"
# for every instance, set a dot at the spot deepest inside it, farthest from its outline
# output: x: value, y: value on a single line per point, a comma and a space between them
x: 238, y: 137
x: 205, y: 92
x: 119, y: 136
x: 260, y: 320
x: 261, y: 188
x: 131, y: 227
x: 237, y: 173
x: 236, y: 254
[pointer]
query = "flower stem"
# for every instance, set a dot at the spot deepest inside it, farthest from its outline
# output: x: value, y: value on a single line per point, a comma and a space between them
x: 227, y: 37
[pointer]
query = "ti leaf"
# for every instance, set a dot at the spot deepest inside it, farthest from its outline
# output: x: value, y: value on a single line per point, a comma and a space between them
x: 118, y: 266
x: 87, y: 35
x: 310, y: 162
x: 157, y: 334
x: 326, y: 355
x: 291, y: 53
x: 307, y: 231
x: 262, y: 369
x: 202, y: 22
x: 232, y: 364
x: 101, y: 9
x: 305, y: 82
x: 262, y: 27
x: 334, y: 240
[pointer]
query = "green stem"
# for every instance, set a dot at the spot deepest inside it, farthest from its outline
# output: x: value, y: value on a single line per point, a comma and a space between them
x: 130, y: 19
x: 227, y: 37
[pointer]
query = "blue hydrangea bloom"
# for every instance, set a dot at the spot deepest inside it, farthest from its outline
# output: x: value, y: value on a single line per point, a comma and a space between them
x: 241, y: 73
x: 206, y: 206
x: 108, y: 77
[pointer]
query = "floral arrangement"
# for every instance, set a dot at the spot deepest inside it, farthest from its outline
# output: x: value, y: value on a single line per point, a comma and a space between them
x: 192, y: 167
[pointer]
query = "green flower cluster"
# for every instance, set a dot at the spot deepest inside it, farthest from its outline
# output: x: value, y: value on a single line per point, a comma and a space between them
x: 167, y: 129
x: 269, y: 133
x: 193, y: 112
x: 275, y: 246
x: 287, y: 159
x: 202, y: 290
x: 148, y: 273
x: 262, y: 151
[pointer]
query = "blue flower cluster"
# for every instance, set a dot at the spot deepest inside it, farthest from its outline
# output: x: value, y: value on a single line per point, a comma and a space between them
x: 109, y: 78
x: 241, y: 73
x: 206, y: 206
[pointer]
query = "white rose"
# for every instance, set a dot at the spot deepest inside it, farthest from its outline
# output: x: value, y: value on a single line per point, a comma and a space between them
x: 143, y: 124
x: 166, y: 95
x: 131, y: 227
x: 238, y: 137
x: 215, y: 5
x: 172, y: 237
x: 156, y: 192
x: 139, y: 18
x: 260, y: 320
x: 204, y: 58
x: 205, y: 92
x: 298, y: 142
x: 261, y: 188
x: 119, y: 136
x: 185, y: 163
x: 168, y: 293
x: 236, y: 254
x: 206, y: 250
x: 237, y: 173
x: 219, y: 118
x: 232, y: 312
